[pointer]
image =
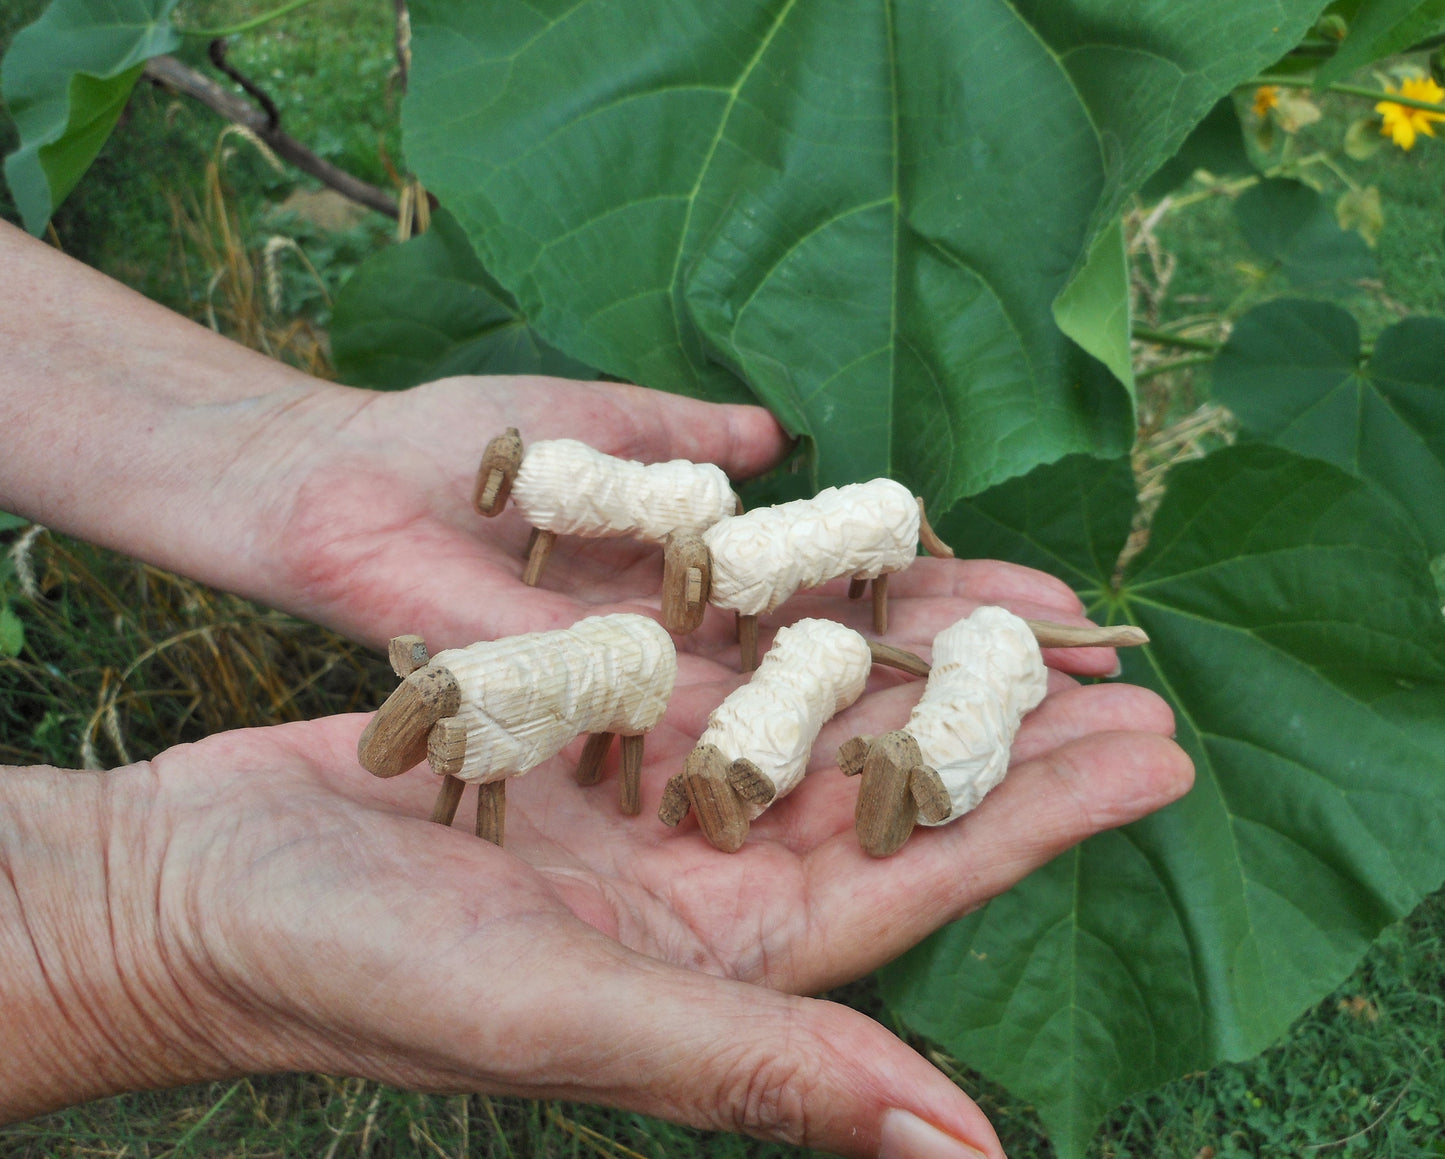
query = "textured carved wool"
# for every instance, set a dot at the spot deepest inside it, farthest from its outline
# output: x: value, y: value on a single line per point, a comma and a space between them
x: 525, y: 697
x: 567, y: 487
x: 761, y: 558
x: 987, y: 673
x: 814, y: 670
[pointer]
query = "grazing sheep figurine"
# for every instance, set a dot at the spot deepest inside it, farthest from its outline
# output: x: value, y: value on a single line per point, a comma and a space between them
x: 756, y: 746
x: 987, y: 674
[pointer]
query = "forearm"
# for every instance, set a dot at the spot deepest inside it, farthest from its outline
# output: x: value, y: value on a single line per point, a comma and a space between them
x: 131, y: 427
x: 89, y: 1005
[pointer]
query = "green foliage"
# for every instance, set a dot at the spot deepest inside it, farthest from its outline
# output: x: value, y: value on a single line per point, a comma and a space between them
x: 1296, y: 630
x: 846, y: 213
x: 66, y: 79
x: 1294, y: 374
x: 898, y: 225
x: 1288, y: 223
x: 1381, y: 28
x: 427, y: 309
x: 1216, y: 145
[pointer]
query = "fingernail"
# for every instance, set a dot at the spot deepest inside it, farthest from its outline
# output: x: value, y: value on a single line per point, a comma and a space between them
x: 905, y: 1136
x: 1117, y: 670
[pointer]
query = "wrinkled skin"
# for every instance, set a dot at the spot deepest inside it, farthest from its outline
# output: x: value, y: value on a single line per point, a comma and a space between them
x: 286, y: 910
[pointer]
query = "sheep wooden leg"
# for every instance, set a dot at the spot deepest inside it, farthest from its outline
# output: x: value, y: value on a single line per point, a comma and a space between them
x: 747, y: 643
x: 631, y: 790
x: 449, y: 796
x: 492, y: 811
x: 446, y: 749
x: 856, y: 588
x: 537, y: 553
x: 880, y: 604
x: 594, y: 752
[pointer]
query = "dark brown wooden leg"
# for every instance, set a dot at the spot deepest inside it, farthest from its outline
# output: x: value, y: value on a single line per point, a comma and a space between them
x: 631, y: 791
x: 492, y: 811
x: 449, y: 796
x: 748, y: 643
x: 537, y: 556
x: 594, y: 752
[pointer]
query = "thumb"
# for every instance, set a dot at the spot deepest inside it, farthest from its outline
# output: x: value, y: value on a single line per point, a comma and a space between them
x: 725, y: 1055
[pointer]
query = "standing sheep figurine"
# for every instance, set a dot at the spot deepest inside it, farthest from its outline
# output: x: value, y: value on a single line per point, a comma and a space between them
x: 752, y: 563
x: 564, y: 487
x: 987, y: 675
x: 495, y: 709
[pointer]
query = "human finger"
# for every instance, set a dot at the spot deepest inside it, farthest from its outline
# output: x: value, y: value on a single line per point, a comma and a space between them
x: 1046, y: 805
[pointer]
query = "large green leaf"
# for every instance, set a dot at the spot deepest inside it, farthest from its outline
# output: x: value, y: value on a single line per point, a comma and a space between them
x: 426, y: 309
x: 1289, y: 223
x: 1381, y: 28
x: 1293, y: 373
x: 1216, y: 145
x: 1295, y: 629
x: 863, y: 213
x: 65, y: 80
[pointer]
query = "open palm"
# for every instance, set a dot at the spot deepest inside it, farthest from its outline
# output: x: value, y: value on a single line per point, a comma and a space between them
x: 599, y: 956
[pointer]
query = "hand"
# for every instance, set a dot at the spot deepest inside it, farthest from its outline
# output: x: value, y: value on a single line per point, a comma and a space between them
x: 372, y: 531
x: 377, y: 535
x: 300, y: 914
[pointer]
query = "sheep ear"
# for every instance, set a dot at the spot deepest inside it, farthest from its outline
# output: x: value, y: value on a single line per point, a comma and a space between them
x: 500, y: 463
x: 406, y: 654
x: 686, y: 581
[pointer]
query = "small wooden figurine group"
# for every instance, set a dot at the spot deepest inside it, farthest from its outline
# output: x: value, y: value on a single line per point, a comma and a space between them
x: 496, y: 709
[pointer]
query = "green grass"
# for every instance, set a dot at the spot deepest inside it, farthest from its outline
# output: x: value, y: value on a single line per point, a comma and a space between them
x: 118, y: 661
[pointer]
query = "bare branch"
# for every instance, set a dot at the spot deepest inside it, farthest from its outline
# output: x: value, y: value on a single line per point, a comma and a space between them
x: 171, y: 73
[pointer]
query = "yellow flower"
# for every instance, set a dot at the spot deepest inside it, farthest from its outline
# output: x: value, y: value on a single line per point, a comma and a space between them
x: 1266, y: 97
x: 1402, y: 123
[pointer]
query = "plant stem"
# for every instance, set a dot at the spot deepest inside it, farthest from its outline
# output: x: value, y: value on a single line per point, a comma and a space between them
x: 1182, y: 342
x: 1296, y: 82
x: 245, y: 25
x: 1149, y: 372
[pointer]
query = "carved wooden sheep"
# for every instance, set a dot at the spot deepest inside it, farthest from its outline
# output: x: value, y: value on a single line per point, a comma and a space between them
x: 564, y: 487
x: 495, y: 709
x: 751, y: 563
x: 987, y: 674
x: 757, y: 742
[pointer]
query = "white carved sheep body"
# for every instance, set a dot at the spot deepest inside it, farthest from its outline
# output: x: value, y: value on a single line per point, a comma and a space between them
x: 862, y: 530
x: 814, y: 670
x: 568, y: 488
x: 523, y: 698
x: 987, y: 674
